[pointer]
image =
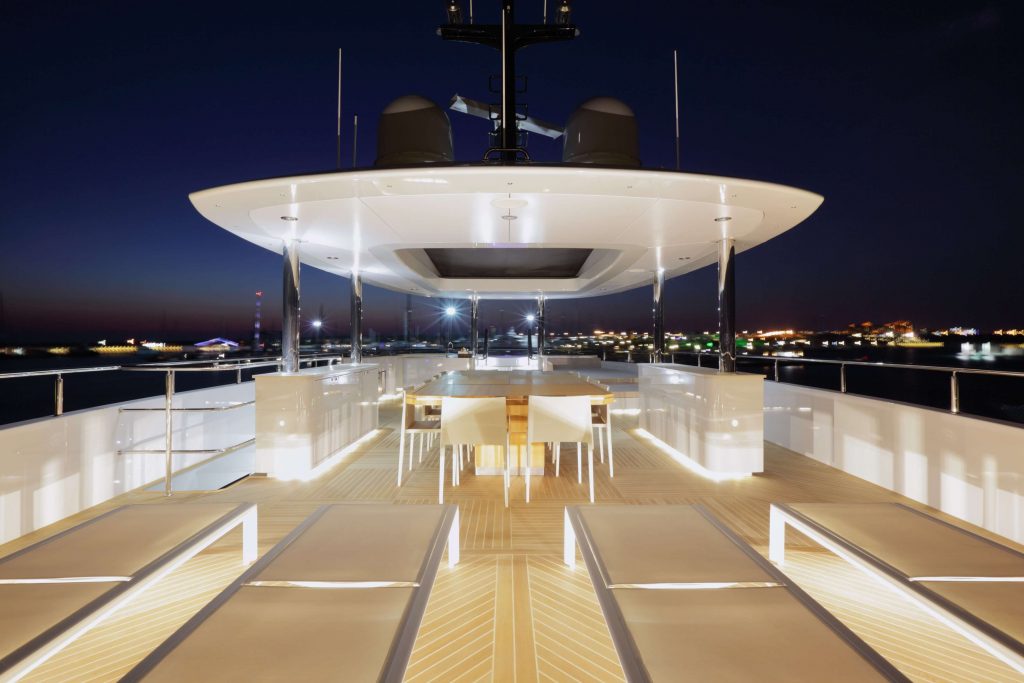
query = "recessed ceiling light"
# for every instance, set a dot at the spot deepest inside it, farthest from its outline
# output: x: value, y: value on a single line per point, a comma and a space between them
x: 333, y: 258
x: 684, y: 258
x: 289, y: 218
x: 509, y: 217
x: 722, y: 219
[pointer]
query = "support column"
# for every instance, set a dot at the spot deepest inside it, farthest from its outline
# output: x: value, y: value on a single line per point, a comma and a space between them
x: 290, y: 314
x: 541, y: 332
x: 474, y: 331
x: 356, y: 313
x: 726, y: 306
x: 659, y: 317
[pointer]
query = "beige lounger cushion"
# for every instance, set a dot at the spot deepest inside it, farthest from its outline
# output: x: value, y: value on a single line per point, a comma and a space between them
x: 26, y: 610
x: 359, y: 543
x: 1000, y: 604
x: 666, y: 544
x: 737, y: 634
x: 911, y: 542
x: 119, y: 544
x: 266, y: 633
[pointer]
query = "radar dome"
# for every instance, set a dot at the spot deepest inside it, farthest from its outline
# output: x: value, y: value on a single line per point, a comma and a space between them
x: 413, y: 130
x: 602, y: 131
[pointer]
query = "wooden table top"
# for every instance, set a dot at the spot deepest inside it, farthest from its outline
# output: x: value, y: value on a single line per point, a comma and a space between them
x: 509, y: 384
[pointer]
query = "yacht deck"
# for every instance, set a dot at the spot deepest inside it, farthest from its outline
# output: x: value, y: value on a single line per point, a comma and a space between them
x: 511, y: 610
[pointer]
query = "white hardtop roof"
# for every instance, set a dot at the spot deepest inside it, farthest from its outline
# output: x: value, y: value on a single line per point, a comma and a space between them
x: 380, y: 221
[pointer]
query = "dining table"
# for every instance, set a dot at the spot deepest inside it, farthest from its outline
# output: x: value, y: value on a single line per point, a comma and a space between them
x: 516, y: 387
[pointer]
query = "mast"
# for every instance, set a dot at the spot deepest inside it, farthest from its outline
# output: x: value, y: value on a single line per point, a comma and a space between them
x: 507, y: 37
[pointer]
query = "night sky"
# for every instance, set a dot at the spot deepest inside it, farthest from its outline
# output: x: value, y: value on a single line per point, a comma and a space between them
x: 907, y: 116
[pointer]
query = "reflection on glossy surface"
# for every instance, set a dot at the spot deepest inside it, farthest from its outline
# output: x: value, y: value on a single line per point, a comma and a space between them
x: 304, y: 419
x: 714, y: 419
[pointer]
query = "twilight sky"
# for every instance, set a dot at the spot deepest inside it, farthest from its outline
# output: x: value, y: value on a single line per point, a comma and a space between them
x: 907, y: 117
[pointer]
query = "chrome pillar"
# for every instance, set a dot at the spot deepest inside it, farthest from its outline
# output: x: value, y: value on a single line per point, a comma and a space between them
x: 659, y: 317
x: 474, y: 331
x: 726, y: 306
x: 356, y: 312
x: 290, y: 316
x: 541, y: 332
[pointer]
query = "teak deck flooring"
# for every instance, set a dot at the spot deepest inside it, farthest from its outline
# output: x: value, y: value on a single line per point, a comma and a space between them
x: 511, y: 611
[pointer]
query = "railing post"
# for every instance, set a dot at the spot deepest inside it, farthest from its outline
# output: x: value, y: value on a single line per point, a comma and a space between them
x: 954, y: 394
x: 168, y: 425
x: 58, y: 395
x: 842, y: 377
x: 776, y: 369
x: 699, y: 359
x: 238, y: 375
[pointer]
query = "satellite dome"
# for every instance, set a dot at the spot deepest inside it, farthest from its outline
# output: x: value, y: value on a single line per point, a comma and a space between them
x: 602, y: 131
x: 413, y: 130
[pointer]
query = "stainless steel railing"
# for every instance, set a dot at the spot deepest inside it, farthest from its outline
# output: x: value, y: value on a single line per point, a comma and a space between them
x: 954, y: 372
x: 171, y: 369
x: 58, y: 388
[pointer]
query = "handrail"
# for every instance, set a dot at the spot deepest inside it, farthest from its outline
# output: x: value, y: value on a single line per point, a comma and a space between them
x: 170, y: 369
x: 58, y: 387
x: 69, y: 371
x: 954, y: 371
x: 232, y: 362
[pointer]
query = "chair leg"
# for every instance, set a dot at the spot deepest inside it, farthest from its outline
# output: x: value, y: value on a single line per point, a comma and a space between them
x: 579, y: 463
x: 506, y: 470
x: 528, y: 473
x: 558, y: 458
x: 440, y: 480
x: 600, y: 441
x: 611, y: 453
x: 421, y: 440
x: 412, y: 447
x: 455, y: 466
x: 590, y: 461
x: 401, y: 448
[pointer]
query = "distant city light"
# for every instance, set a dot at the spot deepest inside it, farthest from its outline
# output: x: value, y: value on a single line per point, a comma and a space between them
x: 450, y: 311
x: 530, y: 318
x: 317, y: 323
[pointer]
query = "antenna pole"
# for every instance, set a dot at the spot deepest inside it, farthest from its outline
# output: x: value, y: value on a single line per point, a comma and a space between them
x: 508, y: 83
x: 545, y: 12
x: 338, y: 155
x: 471, y: 11
x: 355, y: 138
x: 675, y: 71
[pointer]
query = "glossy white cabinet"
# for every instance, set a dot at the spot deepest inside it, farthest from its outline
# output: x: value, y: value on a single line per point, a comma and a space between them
x: 305, y: 419
x: 713, y: 419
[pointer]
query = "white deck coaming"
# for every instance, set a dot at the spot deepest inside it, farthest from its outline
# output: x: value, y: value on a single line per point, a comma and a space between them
x: 362, y: 217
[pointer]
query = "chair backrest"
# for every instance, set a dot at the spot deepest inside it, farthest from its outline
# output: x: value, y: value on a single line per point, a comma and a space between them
x: 473, y: 421
x: 559, y: 418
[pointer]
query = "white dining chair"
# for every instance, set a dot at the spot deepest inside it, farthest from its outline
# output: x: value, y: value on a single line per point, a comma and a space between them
x: 472, y: 422
x: 560, y: 419
x: 426, y: 429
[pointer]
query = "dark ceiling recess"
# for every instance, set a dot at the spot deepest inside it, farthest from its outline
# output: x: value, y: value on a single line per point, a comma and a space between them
x: 508, y: 262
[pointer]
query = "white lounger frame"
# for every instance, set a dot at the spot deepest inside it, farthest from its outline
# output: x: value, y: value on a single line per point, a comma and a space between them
x: 43, y: 646
x: 577, y: 533
x: 999, y: 644
x: 392, y: 670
